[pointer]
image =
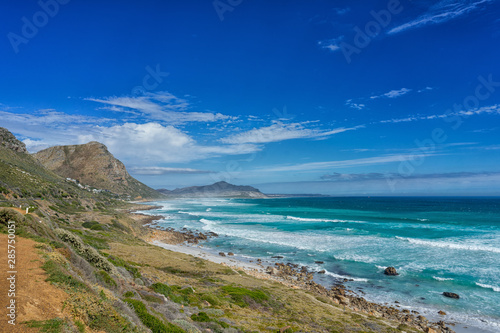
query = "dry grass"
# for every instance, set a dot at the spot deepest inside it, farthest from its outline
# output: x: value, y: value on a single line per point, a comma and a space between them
x: 286, y: 306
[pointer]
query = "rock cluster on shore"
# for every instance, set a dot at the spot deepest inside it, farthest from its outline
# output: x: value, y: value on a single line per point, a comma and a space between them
x: 295, y: 276
x: 172, y: 236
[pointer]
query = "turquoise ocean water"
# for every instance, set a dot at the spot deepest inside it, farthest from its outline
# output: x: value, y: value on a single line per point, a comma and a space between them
x: 436, y: 244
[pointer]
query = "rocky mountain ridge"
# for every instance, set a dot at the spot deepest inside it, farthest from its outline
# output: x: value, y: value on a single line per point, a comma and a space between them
x: 219, y: 189
x: 93, y: 165
x: 9, y: 141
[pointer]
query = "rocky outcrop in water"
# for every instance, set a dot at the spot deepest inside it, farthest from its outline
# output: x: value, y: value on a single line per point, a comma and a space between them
x: 391, y: 271
x: 451, y: 295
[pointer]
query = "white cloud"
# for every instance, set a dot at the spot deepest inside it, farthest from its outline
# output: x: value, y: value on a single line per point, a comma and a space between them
x: 357, y: 106
x: 165, y: 170
x: 393, y: 93
x: 425, y: 89
x: 342, y: 11
x: 441, y: 12
x: 280, y: 132
x: 331, y: 44
x: 49, y: 117
x: 138, y: 144
x: 153, y: 142
x: 349, y: 163
x: 491, y: 109
x: 162, y: 106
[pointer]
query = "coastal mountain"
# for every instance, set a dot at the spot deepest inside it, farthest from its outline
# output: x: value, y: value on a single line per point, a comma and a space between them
x: 219, y: 189
x: 22, y: 177
x: 9, y: 141
x: 93, y: 165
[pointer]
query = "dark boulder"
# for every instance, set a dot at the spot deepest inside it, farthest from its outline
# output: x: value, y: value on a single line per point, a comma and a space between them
x: 451, y: 295
x: 390, y: 271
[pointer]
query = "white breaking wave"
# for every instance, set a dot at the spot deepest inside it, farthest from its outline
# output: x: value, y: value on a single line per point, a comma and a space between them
x: 487, y: 286
x: 320, y: 220
x: 188, y: 213
x: 338, y: 276
x: 442, y: 279
x: 454, y: 246
x: 208, y: 224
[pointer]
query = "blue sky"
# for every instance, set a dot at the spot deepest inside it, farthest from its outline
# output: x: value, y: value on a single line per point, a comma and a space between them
x: 373, y: 98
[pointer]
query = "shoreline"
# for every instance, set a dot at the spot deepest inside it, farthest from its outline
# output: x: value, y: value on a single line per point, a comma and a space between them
x: 339, y: 294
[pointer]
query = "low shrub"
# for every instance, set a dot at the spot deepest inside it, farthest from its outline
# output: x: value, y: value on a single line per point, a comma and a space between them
x: 86, y: 251
x: 55, y: 325
x: 152, y: 299
x: 241, y: 296
x: 201, y: 316
x: 174, y: 293
x: 57, y: 275
x: 106, y: 278
x: 119, y: 262
x: 186, y: 325
x: 150, y: 321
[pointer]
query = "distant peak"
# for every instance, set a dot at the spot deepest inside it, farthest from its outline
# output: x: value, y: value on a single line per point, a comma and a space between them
x: 95, y: 143
x: 9, y: 141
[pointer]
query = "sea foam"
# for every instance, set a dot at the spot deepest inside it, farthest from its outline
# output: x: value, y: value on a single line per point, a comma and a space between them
x: 450, y: 245
x: 487, y: 286
x: 302, y: 219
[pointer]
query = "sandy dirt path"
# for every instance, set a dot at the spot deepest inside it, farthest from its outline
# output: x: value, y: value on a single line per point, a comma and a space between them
x: 35, y: 298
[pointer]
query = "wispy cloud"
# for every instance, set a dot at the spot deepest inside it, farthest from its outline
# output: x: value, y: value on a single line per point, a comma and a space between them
x: 342, y: 11
x: 162, y: 106
x: 353, y: 105
x: 165, y: 170
x: 456, y: 183
x: 356, y: 177
x: 441, y: 12
x: 280, y: 131
x: 391, y: 158
x: 50, y: 116
x: 360, y: 103
x: 393, y: 93
x: 331, y: 44
x: 425, y: 89
x: 491, y: 109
